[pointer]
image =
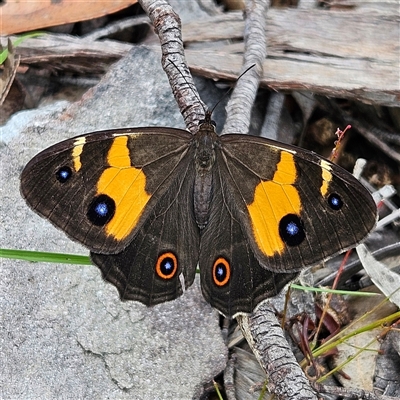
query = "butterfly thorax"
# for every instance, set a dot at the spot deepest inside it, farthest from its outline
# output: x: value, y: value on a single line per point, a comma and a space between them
x: 205, y: 140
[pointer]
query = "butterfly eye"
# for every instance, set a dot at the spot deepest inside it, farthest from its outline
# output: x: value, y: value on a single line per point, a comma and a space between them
x: 203, y: 121
x: 291, y: 230
x: 335, y: 202
x: 167, y: 265
x: 221, y: 272
x: 101, y: 210
x: 63, y: 174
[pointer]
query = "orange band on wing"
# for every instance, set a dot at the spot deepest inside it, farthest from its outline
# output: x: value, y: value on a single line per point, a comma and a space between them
x: 326, y: 177
x: 77, y: 151
x: 272, y: 201
x: 126, y: 186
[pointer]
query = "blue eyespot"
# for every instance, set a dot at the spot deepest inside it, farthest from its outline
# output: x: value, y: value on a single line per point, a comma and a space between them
x: 220, y: 272
x: 63, y: 174
x: 101, y: 210
x: 291, y: 230
x: 335, y: 202
x: 167, y: 266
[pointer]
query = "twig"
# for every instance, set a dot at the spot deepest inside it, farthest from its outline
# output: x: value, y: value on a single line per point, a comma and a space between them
x: 229, y: 379
x: 167, y: 25
x: 240, y: 104
x: 271, y: 124
x: 116, y: 27
x: 265, y: 337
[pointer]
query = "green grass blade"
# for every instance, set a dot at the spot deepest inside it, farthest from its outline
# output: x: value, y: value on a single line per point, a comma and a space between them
x: 18, y: 41
x: 335, y: 291
x: 41, y: 256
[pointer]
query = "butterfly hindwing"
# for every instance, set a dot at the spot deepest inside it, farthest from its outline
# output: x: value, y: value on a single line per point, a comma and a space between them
x: 232, y: 279
x: 99, y: 188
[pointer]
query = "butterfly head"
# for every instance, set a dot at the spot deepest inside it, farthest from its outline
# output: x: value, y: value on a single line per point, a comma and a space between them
x: 207, y: 124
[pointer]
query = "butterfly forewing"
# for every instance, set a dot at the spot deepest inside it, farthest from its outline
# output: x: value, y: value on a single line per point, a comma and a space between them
x: 99, y: 188
x: 297, y: 208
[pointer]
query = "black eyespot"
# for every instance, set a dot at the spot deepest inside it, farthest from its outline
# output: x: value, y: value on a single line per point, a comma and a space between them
x: 221, y: 272
x: 166, y: 265
x: 101, y: 210
x: 335, y: 202
x: 63, y: 174
x: 291, y: 230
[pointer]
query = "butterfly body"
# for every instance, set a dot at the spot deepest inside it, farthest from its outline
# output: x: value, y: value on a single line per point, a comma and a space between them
x: 152, y: 203
x: 205, y: 141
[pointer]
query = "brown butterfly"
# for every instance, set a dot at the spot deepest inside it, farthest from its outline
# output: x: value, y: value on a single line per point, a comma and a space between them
x: 153, y: 203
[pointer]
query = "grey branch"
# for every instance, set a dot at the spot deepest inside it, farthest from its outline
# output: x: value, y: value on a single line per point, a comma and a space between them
x: 167, y: 25
x: 240, y: 104
x: 265, y: 337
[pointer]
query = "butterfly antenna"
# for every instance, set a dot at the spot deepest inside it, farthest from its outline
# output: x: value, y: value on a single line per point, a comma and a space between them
x: 231, y: 88
x: 191, y: 86
x: 208, y: 113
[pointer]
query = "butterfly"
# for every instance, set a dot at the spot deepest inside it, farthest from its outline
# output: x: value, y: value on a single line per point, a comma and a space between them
x: 152, y: 204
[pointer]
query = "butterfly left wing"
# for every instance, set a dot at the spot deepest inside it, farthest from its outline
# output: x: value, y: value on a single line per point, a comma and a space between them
x: 122, y: 193
x: 276, y: 209
x: 296, y: 207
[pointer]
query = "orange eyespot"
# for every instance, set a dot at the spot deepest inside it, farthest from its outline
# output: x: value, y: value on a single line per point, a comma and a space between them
x: 166, y: 265
x: 221, y: 271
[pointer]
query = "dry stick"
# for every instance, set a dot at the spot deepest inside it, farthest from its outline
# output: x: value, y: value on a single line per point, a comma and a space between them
x: 167, y: 25
x: 265, y: 337
x: 229, y: 380
x: 242, y: 99
x: 116, y: 27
